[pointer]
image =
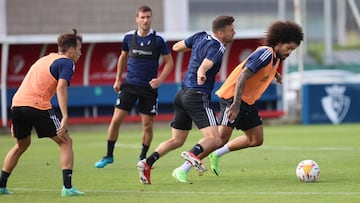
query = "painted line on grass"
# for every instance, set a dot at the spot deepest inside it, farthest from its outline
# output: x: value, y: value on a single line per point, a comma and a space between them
x: 196, y: 193
x: 309, y: 148
x: 285, y: 148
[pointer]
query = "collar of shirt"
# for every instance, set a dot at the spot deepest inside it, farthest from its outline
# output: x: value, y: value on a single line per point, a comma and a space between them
x: 213, y: 36
x: 151, y: 31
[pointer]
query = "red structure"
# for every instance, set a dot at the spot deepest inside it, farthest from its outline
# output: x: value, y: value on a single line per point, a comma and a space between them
x: 96, y: 70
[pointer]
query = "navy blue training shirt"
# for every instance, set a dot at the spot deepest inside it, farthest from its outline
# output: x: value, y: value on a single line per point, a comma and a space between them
x: 141, y: 70
x: 203, y: 46
x: 258, y: 59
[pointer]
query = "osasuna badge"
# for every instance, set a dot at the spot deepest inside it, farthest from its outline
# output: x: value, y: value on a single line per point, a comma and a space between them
x: 110, y: 61
x: 336, y: 104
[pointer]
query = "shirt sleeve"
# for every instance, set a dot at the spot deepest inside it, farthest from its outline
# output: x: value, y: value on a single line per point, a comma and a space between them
x: 164, y: 45
x: 190, y: 40
x: 63, y: 68
x: 259, y: 59
x: 125, y: 44
x: 215, y: 52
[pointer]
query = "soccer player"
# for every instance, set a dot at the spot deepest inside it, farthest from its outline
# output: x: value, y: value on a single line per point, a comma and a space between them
x: 31, y: 107
x: 140, y: 53
x: 245, y: 85
x: 192, y: 102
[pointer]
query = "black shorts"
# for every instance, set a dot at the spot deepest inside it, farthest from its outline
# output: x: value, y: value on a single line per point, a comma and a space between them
x: 146, y: 96
x: 247, y: 118
x: 25, y: 118
x: 191, y: 105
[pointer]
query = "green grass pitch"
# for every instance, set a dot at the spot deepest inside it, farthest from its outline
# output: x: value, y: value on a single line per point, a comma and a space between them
x: 262, y: 174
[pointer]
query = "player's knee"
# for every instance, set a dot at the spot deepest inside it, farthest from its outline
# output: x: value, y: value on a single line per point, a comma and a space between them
x: 148, y: 132
x: 258, y: 141
x: 148, y: 127
x: 23, y: 145
x: 218, y: 141
x: 67, y: 141
x: 223, y: 141
x: 23, y: 148
x: 255, y: 140
x: 175, y: 143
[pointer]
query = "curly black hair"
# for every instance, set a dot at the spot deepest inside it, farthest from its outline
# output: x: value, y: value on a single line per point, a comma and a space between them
x: 283, y: 32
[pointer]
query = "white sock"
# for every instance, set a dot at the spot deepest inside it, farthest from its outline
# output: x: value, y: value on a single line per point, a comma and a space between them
x: 185, y: 167
x: 222, y: 151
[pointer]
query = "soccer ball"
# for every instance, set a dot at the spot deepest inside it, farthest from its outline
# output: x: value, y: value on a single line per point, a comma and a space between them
x: 308, y: 171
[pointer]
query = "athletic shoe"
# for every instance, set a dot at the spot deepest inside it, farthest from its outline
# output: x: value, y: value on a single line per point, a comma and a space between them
x: 214, y: 163
x: 71, y: 192
x: 194, y: 161
x: 104, y: 161
x: 5, y: 191
x: 144, y: 171
x: 179, y: 175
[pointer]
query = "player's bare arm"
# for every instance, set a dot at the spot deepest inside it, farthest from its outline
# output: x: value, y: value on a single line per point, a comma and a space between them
x: 62, y: 95
x: 122, y: 61
x: 169, y: 63
x: 204, y: 67
x: 180, y: 46
x: 234, y: 109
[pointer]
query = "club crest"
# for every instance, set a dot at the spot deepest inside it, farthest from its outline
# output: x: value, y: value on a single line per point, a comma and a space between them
x: 17, y: 63
x: 110, y: 61
x: 336, y: 105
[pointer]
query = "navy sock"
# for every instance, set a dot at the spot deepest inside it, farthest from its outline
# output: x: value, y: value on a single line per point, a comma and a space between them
x: 144, y: 150
x: 67, y: 174
x: 197, y: 149
x: 3, y: 178
x: 152, y: 158
x: 110, y: 148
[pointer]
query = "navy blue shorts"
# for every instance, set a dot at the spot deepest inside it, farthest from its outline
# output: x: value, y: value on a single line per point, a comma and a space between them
x: 146, y: 97
x: 24, y: 118
x: 247, y: 118
x: 192, y: 106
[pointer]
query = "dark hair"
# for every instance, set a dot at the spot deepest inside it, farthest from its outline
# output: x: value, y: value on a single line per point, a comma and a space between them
x: 67, y: 40
x: 220, y: 22
x: 283, y: 32
x: 144, y: 9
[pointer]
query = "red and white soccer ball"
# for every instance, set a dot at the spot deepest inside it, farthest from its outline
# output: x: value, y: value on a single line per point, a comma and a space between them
x: 308, y: 171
